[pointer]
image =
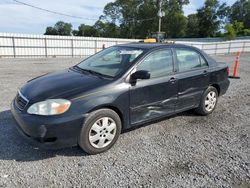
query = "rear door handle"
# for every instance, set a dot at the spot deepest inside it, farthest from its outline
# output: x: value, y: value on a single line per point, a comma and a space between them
x: 172, y: 80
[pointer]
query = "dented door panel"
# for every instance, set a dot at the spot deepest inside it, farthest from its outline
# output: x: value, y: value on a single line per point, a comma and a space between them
x: 191, y: 86
x: 152, y: 98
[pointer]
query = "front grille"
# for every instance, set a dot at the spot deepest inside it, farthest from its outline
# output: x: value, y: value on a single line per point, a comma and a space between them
x: 21, y: 101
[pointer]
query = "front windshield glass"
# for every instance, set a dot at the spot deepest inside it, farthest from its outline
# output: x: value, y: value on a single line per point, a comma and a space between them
x: 111, y: 61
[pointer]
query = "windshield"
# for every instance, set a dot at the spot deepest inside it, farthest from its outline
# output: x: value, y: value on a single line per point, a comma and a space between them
x: 111, y: 61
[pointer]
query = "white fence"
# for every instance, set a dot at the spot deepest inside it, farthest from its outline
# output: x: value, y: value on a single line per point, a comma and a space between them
x: 227, y: 47
x: 25, y: 45
x: 210, y: 39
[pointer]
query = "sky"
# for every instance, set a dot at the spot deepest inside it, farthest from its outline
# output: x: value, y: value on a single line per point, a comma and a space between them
x: 18, y: 18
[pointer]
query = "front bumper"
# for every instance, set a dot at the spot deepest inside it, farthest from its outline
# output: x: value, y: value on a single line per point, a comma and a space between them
x: 48, y: 131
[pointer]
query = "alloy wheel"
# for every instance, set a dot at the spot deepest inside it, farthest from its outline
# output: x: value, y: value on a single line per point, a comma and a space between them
x: 102, y: 132
x: 210, y: 101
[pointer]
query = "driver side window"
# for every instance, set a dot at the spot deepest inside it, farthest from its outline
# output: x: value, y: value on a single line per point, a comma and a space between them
x: 159, y: 63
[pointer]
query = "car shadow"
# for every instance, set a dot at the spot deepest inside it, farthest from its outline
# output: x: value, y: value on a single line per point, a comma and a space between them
x: 14, y: 147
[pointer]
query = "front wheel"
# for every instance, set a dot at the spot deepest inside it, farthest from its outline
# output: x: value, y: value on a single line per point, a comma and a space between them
x: 100, y: 131
x: 208, y: 101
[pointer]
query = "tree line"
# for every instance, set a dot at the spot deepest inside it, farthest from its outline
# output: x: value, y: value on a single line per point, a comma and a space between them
x: 138, y: 18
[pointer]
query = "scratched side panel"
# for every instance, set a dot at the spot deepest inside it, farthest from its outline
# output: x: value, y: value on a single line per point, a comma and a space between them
x: 151, y: 99
x: 191, y: 85
x: 153, y: 110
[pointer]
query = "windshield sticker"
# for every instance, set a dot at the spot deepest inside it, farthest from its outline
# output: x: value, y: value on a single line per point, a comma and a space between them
x: 130, y: 52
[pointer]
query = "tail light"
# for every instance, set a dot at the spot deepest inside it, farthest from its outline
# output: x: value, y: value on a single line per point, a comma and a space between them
x: 228, y: 71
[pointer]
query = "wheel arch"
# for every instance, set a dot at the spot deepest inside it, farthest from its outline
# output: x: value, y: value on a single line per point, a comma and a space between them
x: 217, y: 87
x: 111, y: 107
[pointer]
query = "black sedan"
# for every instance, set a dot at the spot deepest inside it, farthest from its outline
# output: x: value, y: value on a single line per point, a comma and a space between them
x: 120, y: 87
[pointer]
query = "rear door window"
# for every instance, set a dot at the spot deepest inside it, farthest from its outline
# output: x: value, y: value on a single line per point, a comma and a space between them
x: 189, y: 59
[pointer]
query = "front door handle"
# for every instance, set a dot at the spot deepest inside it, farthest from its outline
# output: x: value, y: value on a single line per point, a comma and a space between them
x: 172, y: 80
x: 205, y: 72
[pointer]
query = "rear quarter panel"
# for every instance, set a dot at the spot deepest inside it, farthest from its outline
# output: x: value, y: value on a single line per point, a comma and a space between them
x: 219, y: 76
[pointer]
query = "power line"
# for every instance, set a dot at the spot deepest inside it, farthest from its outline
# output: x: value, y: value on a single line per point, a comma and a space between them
x: 53, y: 12
x: 72, y: 16
x: 142, y: 20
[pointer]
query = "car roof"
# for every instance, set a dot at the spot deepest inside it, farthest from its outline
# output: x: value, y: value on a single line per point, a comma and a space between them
x: 152, y: 46
x: 148, y: 46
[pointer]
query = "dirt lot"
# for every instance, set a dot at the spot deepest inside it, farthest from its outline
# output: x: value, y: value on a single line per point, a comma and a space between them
x: 185, y: 150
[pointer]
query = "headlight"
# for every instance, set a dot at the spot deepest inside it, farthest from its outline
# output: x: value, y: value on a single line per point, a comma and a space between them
x: 50, y: 107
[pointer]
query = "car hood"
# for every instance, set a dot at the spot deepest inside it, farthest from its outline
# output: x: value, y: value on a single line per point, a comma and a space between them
x: 63, y: 84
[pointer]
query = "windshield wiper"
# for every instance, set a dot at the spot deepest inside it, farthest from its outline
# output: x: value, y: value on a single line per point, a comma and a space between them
x: 93, y: 72
x: 76, y: 68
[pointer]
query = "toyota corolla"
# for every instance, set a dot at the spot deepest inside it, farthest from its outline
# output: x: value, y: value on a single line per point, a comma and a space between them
x: 118, y: 88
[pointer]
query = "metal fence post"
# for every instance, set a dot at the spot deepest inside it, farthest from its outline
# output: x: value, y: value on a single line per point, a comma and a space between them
x: 45, y: 47
x: 95, y: 46
x: 229, y: 48
x: 244, y: 45
x: 14, y: 46
x: 72, y: 47
x: 216, y: 47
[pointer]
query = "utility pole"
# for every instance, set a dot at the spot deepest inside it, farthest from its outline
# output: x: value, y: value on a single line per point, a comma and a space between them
x: 160, y: 14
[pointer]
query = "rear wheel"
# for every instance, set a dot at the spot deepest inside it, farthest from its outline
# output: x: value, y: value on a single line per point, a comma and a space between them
x: 100, y: 131
x: 208, y: 101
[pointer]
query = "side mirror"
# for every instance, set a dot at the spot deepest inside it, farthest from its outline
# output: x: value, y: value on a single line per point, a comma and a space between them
x: 141, y: 74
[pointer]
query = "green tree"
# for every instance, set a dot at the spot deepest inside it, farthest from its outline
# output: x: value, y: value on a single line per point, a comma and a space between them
x: 132, y: 17
x: 211, y: 17
x: 60, y: 28
x: 63, y: 28
x: 50, y: 31
x: 106, y: 29
x: 137, y: 18
x: 175, y: 25
x: 192, y: 26
x: 99, y: 29
x: 230, y: 32
x: 240, y: 11
x: 246, y: 32
x: 174, y: 22
x: 85, y: 30
x: 238, y: 27
x: 146, y: 20
x: 126, y: 14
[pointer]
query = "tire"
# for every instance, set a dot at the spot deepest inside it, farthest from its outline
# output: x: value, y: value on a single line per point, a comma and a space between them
x: 100, y: 131
x: 208, y: 101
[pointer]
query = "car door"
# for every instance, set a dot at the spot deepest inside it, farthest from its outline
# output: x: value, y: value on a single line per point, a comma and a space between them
x: 157, y: 96
x: 192, y: 76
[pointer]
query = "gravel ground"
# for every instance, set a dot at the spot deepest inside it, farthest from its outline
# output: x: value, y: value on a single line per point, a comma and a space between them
x: 185, y: 150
